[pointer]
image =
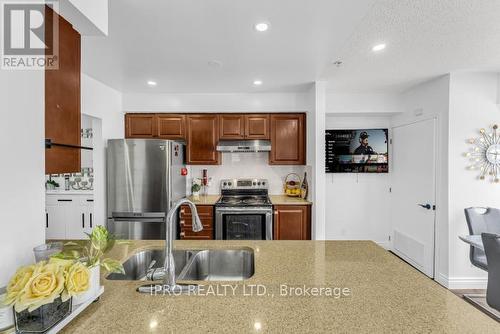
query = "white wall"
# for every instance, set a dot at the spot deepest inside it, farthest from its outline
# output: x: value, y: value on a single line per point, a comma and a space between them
x: 105, y: 105
x: 473, y: 98
x: 246, y: 165
x: 104, y: 102
x: 257, y: 102
x: 363, y: 103
x: 22, y: 137
x: 358, y: 204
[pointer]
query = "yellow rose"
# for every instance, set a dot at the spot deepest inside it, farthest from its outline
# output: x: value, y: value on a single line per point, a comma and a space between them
x: 46, y: 284
x: 77, y: 280
x: 17, y: 283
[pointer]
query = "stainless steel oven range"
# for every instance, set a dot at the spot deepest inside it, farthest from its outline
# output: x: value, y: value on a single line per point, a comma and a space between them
x: 244, y: 211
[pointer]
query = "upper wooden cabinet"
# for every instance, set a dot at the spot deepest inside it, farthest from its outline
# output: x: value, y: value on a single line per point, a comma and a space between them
x: 171, y: 126
x: 292, y: 222
x: 242, y: 126
x: 164, y: 126
x: 288, y: 139
x: 62, y: 101
x: 140, y: 126
x: 257, y: 126
x: 232, y: 126
x: 202, y: 136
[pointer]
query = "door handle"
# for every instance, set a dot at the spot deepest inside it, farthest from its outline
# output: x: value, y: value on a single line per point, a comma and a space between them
x: 425, y: 206
x: 83, y: 220
x: 46, y: 220
x: 91, y: 220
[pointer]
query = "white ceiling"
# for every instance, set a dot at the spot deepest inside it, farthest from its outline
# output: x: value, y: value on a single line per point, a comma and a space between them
x: 172, y: 41
x: 425, y: 39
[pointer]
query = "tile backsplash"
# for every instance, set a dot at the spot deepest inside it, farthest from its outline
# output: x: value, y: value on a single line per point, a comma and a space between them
x: 246, y: 165
x: 78, y: 181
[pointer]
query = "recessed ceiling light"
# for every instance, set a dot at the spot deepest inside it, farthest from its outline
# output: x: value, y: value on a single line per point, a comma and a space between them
x: 152, y: 83
x: 257, y: 82
x: 378, y: 47
x: 262, y: 26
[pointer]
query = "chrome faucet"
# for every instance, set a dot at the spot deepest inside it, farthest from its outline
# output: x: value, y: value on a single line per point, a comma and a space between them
x: 167, y: 273
x: 169, y: 264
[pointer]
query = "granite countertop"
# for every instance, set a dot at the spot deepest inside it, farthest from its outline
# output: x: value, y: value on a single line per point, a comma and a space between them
x: 287, y: 200
x: 204, y: 200
x: 275, y: 200
x: 386, y: 296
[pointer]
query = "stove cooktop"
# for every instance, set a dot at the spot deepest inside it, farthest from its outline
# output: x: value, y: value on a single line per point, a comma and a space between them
x: 244, y: 201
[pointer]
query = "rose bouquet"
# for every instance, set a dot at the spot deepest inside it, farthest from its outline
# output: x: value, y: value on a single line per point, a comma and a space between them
x: 36, y: 285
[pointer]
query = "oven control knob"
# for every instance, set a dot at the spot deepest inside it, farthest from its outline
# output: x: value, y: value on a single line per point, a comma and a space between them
x: 258, y: 183
x: 224, y: 184
x: 230, y: 184
x: 254, y: 183
x: 263, y: 183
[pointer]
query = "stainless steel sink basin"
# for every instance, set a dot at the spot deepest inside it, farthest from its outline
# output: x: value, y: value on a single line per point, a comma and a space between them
x: 192, y: 265
x: 138, y: 265
x: 219, y: 265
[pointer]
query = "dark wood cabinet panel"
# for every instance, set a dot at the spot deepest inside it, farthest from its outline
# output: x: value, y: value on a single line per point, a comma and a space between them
x: 171, y: 126
x: 206, y: 213
x: 202, y: 136
x: 140, y: 126
x: 288, y: 139
x: 232, y: 126
x: 62, y: 101
x: 292, y: 222
x: 257, y: 126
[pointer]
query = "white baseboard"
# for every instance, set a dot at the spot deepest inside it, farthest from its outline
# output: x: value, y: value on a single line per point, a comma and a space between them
x: 442, y: 279
x: 467, y: 283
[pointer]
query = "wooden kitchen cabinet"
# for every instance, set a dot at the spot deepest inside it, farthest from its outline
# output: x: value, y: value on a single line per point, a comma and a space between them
x: 243, y: 126
x: 206, y: 214
x: 288, y: 139
x: 257, y: 126
x: 171, y: 126
x: 140, y: 126
x: 292, y: 222
x: 202, y: 136
x: 232, y: 126
x: 62, y: 101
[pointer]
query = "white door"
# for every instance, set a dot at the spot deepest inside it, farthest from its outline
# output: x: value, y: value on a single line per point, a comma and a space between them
x: 413, y: 193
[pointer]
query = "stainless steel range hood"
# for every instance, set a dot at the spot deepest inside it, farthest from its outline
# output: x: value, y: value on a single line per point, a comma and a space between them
x: 244, y: 146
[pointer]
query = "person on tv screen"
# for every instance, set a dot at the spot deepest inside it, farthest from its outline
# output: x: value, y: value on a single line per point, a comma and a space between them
x: 364, y: 148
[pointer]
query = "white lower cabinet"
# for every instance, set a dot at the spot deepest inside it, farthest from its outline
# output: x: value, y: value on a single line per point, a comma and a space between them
x: 68, y: 216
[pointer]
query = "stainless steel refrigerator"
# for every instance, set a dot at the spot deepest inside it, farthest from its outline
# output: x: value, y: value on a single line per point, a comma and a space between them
x: 144, y: 179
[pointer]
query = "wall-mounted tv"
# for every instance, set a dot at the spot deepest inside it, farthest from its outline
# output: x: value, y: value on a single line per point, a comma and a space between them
x: 357, y: 151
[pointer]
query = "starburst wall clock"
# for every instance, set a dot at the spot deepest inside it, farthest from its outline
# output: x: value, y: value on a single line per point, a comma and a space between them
x: 484, y: 155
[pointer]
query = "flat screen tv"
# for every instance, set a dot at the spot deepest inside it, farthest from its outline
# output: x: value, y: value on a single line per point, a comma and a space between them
x: 357, y: 151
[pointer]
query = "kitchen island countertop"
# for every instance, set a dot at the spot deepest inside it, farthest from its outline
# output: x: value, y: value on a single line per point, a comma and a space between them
x: 386, y: 295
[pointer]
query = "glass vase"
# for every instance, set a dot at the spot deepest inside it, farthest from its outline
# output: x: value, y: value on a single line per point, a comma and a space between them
x: 43, y: 318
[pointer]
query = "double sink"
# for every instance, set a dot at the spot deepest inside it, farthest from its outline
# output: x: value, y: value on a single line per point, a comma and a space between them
x: 192, y: 265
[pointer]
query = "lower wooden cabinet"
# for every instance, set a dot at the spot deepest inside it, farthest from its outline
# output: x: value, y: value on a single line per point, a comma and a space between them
x: 69, y: 216
x: 206, y: 214
x: 292, y: 222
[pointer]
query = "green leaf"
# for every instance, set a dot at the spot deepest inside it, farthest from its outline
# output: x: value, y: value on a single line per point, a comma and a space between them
x: 112, y: 266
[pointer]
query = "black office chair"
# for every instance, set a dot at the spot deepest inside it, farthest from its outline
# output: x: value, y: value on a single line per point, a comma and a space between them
x: 481, y: 220
x: 491, y: 244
